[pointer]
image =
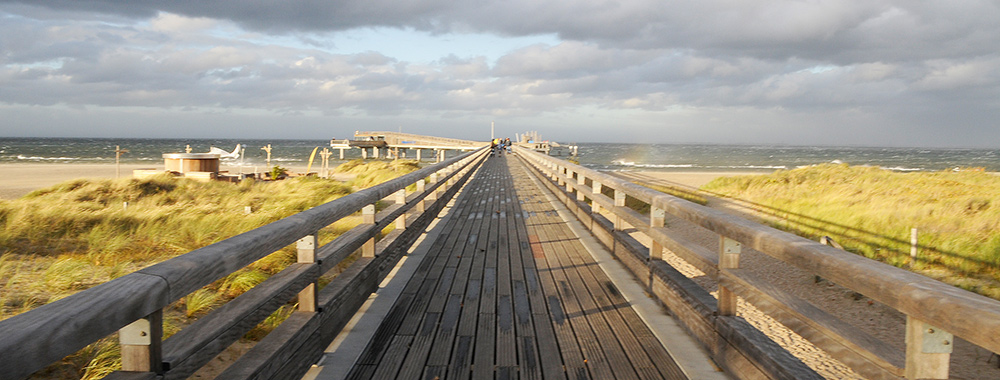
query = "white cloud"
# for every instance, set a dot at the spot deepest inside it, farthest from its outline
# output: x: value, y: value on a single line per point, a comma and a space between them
x: 780, y: 61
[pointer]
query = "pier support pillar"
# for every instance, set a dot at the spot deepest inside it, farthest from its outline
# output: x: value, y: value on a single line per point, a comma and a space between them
x: 341, y: 153
x: 375, y: 152
x: 364, y: 153
x: 418, y: 154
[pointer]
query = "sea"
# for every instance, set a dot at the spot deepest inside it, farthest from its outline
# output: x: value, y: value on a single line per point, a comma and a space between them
x: 599, y: 156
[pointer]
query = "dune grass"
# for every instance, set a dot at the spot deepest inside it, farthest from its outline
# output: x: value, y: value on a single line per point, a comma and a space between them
x: 871, y: 212
x: 57, y: 241
x: 370, y: 173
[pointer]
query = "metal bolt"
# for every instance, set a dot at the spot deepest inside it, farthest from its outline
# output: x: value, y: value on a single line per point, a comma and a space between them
x: 142, y: 333
x: 930, y: 331
x: 946, y: 343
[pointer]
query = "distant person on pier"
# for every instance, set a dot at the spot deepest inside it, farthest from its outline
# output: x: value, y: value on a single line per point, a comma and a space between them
x: 493, y: 146
x: 506, y: 142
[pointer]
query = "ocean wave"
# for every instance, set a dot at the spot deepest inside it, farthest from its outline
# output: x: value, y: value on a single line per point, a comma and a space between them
x: 37, y: 158
x: 632, y: 164
x: 774, y: 167
x: 902, y: 169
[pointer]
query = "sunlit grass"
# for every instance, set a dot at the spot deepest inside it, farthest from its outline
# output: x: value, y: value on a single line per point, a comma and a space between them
x: 871, y: 212
x: 370, y: 173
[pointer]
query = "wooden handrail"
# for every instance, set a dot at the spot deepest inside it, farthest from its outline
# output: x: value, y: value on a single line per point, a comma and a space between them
x: 32, y: 340
x: 927, y: 302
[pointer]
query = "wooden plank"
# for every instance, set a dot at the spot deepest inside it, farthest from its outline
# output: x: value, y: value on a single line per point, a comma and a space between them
x: 604, y: 337
x: 49, y: 333
x: 189, y: 349
x: 388, y: 367
x: 592, y: 354
x: 483, y: 364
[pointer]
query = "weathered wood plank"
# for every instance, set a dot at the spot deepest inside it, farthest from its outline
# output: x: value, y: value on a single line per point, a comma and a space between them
x: 189, y: 349
x: 867, y: 355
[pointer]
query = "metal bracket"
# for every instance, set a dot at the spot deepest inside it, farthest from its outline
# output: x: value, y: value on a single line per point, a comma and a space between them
x: 936, y: 341
x: 731, y: 246
x: 137, y: 333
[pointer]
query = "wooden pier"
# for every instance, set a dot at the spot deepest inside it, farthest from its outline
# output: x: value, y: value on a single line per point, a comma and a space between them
x: 508, y: 281
x: 396, y: 145
x: 507, y: 290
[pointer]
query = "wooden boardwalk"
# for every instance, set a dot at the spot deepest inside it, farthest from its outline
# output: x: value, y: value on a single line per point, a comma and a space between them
x: 508, y: 291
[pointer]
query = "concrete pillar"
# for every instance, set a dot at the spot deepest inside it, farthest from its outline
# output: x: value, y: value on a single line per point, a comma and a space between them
x: 418, y: 154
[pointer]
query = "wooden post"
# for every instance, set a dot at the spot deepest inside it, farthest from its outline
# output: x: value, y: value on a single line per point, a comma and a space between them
x: 581, y: 180
x: 656, y: 219
x: 118, y: 155
x: 141, y: 344
x: 401, y: 200
x: 268, y: 150
x: 307, y: 254
x: 368, y: 217
x: 326, y: 161
x: 913, y: 246
x: 729, y: 258
x: 619, y: 202
x: 928, y: 350
x: 596, y: 188
x: 569, y: 176
x: 421, y: 187
x: 432, y: 197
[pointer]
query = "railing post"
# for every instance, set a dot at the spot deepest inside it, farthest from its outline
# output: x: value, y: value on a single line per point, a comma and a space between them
x: 595, y: 190
x: 368, y: 217
x: 141, y: 344
x: 401, y: 200
x: 619, y: 202
x: 581, y: 180
x: 306, y: 248
x: 569, y: 176
x: 928, y: 350
x: 432, y: 197
x: 421, y: 187
x: 656, y: 219
x: 729, y: 258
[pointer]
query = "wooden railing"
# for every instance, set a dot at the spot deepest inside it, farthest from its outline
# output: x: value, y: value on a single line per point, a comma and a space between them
x: 132, y: 305
x: 934, y: 310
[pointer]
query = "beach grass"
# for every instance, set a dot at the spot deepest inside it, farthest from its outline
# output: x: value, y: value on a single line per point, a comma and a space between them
x: 871, y: 212
x: 63, y: 239
x: 369, y: 173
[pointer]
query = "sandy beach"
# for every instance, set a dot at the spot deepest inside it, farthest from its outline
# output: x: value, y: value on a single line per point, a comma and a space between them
x: 20, y: 179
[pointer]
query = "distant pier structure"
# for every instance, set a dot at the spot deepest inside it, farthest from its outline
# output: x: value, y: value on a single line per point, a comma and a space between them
x: 395, y: 145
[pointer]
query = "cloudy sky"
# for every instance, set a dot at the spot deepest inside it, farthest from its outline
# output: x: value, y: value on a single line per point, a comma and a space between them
x: 811, y: 72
